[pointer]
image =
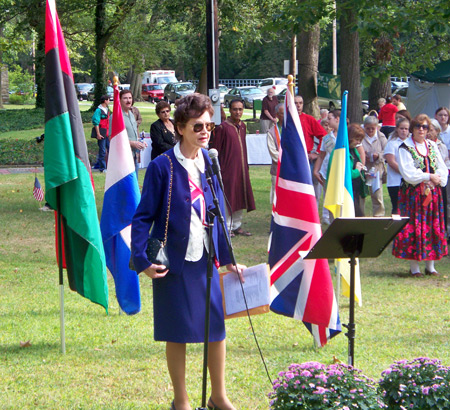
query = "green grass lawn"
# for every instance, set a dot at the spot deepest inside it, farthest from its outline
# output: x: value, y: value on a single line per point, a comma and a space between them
x: 112, y: 361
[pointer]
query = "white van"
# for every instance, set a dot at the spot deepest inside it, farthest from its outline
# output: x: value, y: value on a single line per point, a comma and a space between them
x: 277, y: 83
x: 162, y: 77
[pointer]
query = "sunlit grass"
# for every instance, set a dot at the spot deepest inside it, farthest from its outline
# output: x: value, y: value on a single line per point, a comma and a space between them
x: 112, y: 361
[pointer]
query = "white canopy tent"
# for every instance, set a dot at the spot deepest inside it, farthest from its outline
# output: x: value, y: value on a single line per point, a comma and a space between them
x: 429, y: 90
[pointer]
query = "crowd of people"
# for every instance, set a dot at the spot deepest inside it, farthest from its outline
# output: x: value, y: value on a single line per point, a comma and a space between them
x: 410, y: 155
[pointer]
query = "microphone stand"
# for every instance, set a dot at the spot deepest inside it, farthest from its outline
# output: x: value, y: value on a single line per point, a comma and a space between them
x: 212, y: 214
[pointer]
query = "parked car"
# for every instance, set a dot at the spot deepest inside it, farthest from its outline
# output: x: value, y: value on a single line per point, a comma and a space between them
x: 278, y: 83
x: 175, y: 91
x: 123, y: 87
x: 152, y: 92
x: 245, y: 94
x: 402, y: 91
x: 109, y: 92
x: 326, y: 102
x: 397, y: 85
x: 82, y: 90
x: 282, y: 94
x: 223, y: 90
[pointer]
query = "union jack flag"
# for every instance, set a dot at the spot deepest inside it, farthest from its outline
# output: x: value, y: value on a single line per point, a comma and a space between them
x: 38, y: 193
x: 198, y: 201
x: 300, y: 288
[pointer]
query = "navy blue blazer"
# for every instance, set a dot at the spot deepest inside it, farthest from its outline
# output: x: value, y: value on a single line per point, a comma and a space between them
x: 152, y: 210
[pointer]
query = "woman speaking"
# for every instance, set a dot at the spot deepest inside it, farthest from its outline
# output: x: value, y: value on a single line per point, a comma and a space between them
x: 174, y: 204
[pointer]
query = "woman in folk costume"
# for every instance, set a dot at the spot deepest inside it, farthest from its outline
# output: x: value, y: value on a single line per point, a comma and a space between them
x: 423, y: 172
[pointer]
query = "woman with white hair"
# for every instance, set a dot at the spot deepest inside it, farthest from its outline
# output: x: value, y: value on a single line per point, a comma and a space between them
x: 374, y: 143
x: 433, y: 135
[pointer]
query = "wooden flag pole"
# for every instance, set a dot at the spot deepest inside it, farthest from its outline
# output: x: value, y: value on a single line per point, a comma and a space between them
x: 61, y: 276
x: 291, y: 84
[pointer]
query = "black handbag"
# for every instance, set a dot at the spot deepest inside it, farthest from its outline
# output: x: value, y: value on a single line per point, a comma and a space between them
x: 156, y: 249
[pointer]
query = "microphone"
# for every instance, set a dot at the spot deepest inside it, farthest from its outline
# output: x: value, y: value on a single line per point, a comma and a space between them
x: 214, y: 157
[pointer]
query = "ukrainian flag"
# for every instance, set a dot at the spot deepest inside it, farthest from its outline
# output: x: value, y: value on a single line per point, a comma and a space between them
x: 339, y: 195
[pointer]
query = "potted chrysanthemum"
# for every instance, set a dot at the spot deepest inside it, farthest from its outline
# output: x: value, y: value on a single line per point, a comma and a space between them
x: 315, y: 386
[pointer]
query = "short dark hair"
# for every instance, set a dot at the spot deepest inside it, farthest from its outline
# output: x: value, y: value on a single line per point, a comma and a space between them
x: 236, y: 100
x: 397, y: 97
x: 123, y: 92
x: 160, y: 106
x: 104, y: 98
x: 405, y: 113
x: 419, y: 119
x: 336, y: 113
x: 191, y: 106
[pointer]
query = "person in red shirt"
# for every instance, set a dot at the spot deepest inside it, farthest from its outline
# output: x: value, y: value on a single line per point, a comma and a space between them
x: 387, y: 117
x: 311, y: 128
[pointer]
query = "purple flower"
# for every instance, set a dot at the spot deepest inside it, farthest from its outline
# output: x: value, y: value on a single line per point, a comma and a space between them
x: 425, y: 390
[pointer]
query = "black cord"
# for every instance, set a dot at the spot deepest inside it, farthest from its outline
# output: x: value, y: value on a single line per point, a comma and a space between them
x: 245, y: 299
x: 253, y: 330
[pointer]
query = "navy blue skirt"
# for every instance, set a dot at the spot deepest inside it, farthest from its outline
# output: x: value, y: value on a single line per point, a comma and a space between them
x: 179, y: 305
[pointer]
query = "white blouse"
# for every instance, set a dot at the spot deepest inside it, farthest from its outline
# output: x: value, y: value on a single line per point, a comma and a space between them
x: 198, y: 238
x: 413, y: 175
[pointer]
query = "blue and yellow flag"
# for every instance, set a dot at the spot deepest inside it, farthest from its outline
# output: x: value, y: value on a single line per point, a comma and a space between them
x: 339, y: 195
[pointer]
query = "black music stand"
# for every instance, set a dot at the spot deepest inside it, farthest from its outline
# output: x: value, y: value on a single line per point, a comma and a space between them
x: 356, y: 238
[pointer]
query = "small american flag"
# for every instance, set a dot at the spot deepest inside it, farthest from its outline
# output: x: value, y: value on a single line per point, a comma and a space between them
x: 38, y: 193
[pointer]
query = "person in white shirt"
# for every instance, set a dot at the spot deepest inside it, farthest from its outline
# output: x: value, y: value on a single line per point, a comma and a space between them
x: 394, y: 178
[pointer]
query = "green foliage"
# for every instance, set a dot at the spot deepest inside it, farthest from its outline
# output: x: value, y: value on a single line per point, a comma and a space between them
x: 19, y: 99
x: 20, y: 80
x: 314, y: 386
x: 29, y: 152
x: 421, y: 383
x: 27, y: 119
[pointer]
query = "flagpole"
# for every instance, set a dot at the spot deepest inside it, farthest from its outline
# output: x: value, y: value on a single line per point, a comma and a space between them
x: 61, y: 276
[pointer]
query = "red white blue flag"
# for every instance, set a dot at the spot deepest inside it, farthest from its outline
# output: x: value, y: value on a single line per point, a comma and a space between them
x: 38, y: 193
x: 300, y: 288
x: 121, y: 199
x: 198, y: 201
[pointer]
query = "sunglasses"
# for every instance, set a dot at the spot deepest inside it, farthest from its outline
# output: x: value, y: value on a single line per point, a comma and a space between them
x: 423, y: 126
x: 164, y: 111
x: 198, y: 127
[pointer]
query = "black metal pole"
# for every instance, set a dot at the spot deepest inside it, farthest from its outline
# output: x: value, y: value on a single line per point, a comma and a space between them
x: 61, y: 276
x: 212, y: 45
x: 209, y: 275
x: 351, y: 321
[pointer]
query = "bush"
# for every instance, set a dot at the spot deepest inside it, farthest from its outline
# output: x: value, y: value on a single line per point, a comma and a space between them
x: 314, y: 386
x: 22, y: 152
x: 18, y: 99
x: 28, y: 119
x: 421, y: 383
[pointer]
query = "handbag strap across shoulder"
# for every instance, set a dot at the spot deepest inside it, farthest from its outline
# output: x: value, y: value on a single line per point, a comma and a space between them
x: 169, y: 200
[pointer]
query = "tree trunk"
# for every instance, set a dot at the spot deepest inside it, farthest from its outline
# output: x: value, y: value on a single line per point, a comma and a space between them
x: 40, y: 67
x: 135, y: 84
x: 349, y: 62
x: 202, y: 86
x: 308, y: 61
x: 100, y: 52
x: 379, y: 88
x: 1, y: 70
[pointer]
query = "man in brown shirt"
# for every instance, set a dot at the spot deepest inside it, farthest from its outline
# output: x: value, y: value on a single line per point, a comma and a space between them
x: 229, y: 140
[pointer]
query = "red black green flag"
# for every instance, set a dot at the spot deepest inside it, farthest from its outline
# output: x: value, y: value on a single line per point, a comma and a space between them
x: 68, y: 172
